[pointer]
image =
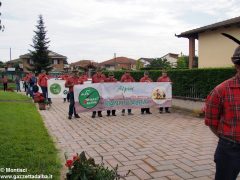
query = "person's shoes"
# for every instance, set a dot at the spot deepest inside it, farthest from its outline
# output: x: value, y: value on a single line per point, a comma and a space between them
x: 99, y: 115
x: 123, y: 114
x: 160, y: 112
x: 149, y: 113
x: 93, y: 116
x: 77, y: 116
x: 69, y: 117
x: 168, y: 112
x: 114, y: 115
x: 130, y: 113
x: 108, y: 114
x: 142, y: 112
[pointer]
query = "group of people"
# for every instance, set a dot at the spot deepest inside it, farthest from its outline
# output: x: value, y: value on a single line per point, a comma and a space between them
x: 99, y: 77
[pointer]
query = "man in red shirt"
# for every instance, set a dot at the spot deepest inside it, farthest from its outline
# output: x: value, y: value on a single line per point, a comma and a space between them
x: 126, y: 77
x: 42, y: 82
x: 111, y: 79
x: 98, y: 78
x: 70, y: 82
x: 145, y: 78
x: 164, y: 78
x: 222, y: 115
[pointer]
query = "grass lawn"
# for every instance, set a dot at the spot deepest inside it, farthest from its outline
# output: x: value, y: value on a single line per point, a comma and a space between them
x: 10, y: 85
x: 12, y: 96
x: 24, y: 141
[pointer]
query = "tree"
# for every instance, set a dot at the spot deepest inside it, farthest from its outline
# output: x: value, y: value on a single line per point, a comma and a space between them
x: 39, y: 56
x: 139, y: 64
x: 2, y: 64
x: 159, y: 63
x: 182, y: 62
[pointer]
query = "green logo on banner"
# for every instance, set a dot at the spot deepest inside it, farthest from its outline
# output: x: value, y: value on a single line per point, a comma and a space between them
x: 55, y: 88
x: 89, y: 98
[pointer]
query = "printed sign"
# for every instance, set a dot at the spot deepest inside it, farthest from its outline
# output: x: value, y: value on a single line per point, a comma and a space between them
x: 57, y: 89
x: 107, y: 96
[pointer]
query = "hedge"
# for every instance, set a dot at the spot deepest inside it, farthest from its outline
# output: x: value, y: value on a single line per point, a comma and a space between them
x: 188, y: 83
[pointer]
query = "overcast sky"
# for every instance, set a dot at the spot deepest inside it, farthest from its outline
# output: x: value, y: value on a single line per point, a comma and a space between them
x: 96, y: 29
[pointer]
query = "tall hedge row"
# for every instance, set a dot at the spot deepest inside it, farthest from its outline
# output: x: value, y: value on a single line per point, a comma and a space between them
x: 190, y: 83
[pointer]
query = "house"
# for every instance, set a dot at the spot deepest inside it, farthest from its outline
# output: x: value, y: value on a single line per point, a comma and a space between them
x: 84, y: 65
x: 146, y: 61
x: 59, y: 62
x: 118, y: 63
x: 172, y: 58
x: 214, y: 50
x: 88, y: 66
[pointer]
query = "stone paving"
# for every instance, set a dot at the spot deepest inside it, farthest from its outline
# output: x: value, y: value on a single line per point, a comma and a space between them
x: 159, y: 146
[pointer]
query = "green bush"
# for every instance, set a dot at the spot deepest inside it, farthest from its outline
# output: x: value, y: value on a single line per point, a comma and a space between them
x: 188, y: 83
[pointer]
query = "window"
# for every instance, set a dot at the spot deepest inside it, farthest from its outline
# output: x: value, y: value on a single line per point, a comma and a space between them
x: 55, y: 61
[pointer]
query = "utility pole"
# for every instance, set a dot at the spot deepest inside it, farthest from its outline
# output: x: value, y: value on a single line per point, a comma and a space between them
x: 10, y: 54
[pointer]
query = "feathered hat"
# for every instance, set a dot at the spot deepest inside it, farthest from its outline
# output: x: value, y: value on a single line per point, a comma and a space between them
x: 236, y: 54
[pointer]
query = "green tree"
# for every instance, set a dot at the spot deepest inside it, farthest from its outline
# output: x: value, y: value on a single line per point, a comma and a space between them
x: 182, y: 62
x: 139, y: 64
x: 39, y: 55
x: 159, y: 63
x: 2, y: 64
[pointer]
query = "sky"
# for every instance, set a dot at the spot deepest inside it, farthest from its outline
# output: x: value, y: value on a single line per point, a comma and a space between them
x: 96, y: 29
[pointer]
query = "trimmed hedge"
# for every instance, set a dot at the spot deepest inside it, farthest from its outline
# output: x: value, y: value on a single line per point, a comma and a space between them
x: 188, y: 83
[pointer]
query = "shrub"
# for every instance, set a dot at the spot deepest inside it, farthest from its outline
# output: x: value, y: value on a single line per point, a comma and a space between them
x: 188, y: 83
x: 83, y: 168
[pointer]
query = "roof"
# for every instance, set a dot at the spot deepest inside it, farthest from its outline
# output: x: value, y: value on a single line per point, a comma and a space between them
x: 50, y: 54
x: 84, y: 63
x: 194, y: 32
x: 14, y: 61
x: 119, y: 60
x: 172, y: 55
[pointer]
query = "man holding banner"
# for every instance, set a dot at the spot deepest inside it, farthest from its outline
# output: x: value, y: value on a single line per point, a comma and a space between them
x: 126, y: 77
x: 145, y: 78
x: 111, y: 79
x: 71, y: 81
x: 98, y: 78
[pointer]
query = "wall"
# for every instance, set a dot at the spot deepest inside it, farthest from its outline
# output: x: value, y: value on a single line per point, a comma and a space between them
x: 216, y: 50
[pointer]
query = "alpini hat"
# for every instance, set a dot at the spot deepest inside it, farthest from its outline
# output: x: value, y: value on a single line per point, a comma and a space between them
x: 236, y: 54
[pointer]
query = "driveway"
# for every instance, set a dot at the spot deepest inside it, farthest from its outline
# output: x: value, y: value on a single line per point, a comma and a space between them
x: 158, y: 146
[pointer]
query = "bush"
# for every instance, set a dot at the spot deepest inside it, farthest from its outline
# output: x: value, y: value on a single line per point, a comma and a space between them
x: 83, y: 168
x: 188, y: 83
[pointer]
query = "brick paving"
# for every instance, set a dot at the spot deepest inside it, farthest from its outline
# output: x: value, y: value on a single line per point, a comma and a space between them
x: 159, y: 146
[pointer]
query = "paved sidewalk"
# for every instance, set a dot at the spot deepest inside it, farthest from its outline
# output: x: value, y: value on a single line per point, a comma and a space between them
x: 158, y: 146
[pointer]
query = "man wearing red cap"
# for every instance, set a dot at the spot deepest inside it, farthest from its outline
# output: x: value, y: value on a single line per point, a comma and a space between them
x: 222, y: 115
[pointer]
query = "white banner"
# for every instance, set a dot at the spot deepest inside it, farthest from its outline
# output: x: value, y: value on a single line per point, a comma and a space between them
x: 57, y: 89
x: 107, y: 96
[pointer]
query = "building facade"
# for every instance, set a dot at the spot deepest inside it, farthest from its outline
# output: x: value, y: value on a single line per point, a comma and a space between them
x: 119, y: 63
x: 214, y: 50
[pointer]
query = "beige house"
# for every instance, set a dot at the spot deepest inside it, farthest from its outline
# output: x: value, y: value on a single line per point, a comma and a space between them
x: 172, y: 58
x: 59, y: 62
x: 214, y: 50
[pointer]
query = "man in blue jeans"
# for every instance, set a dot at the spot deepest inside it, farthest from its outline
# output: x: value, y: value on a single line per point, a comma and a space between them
x: 71, y: 81
x: 222, y: 115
